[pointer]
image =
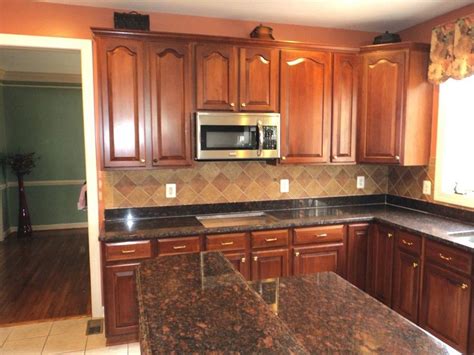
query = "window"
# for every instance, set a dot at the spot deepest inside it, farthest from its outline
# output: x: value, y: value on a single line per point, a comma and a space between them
x: 454, y: 181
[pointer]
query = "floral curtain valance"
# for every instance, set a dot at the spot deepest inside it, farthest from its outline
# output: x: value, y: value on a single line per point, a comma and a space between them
x: 452, y: 51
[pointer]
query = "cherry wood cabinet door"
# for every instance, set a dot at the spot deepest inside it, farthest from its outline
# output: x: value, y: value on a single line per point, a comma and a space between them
x: 121, y: 311
x: 216, y: 77
x: 382, y: 242
x: 406, y: 284
x: 445, y: 305
x: 259, y: 79
x: 344, y: 107
x: 357, y: 255
x: 381, y: 106
x: 268, y: 264
x: 240, y: 262
x: 305, y: 92
x: 120, y: 65
x: 319, y: 258
x: 170, y: 86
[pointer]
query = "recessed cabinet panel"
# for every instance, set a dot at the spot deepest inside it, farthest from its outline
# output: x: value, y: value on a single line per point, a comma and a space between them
x: 241, y: 263
x: 305, y: 106
x: 216, y: 74
x: 123, y: 117
x: 321, y: 258
x: 382, y: 242
x: 170, y: 75
x: 269, y: 264
x: 357, y: 256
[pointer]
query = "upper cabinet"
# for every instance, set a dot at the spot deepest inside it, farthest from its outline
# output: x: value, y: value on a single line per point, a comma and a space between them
x: 305, y: 90
x: 121, y: 76
x: 236, y: 79
x: 395, y: 106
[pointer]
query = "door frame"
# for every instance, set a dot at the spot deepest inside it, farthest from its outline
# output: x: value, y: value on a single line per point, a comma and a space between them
x: 88, y: 105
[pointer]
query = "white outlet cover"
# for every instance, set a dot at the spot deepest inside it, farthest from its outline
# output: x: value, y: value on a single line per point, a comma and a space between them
x: 284, y: 186
x: 360, y: 182
x: 427, y: 187
x: 170, y: 190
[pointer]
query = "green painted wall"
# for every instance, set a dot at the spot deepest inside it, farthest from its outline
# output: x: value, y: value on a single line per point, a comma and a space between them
x: 47, y: 120
x: 3, y: 192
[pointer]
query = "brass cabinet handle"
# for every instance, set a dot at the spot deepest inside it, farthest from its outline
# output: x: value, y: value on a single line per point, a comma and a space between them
x: 142, y: 160
x: 155, y: 160
x: 255, y: 258
x: 334, y: 156
x: 390, y: 235
x: 227, y: 243
x: 397, y: 157
x: 271, y: 239
x: 283, y: 158
x: 243, y: 104
x: 297, y: 253
x: 321, y: 235
x: 232, y: 104
x: 447, y: 258
x: 415, y: 265
x: 131, y: 251
x: 177, y: 247
x: 407, y: 243
x: 242, y: 260
x: 464, y: 286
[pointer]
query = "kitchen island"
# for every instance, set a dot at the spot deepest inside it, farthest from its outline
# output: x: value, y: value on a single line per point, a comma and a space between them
x: 199, y: 303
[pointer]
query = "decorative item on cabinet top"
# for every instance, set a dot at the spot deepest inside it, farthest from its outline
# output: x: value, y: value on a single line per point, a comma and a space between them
x: 131, y: 21
x: 262, y: 32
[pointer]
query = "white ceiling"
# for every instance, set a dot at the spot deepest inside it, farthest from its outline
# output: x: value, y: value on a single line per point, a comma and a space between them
x: 40, y: 61
x: 366, y: 15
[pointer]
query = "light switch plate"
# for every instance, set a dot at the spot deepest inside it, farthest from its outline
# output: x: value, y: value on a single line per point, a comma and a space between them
x: 427, y: 187
x: 360, y: 182
x: 170, y: 190
x: 284, y: 186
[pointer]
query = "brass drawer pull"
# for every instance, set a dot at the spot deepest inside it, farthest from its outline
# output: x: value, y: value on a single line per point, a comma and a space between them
x: 321, y: 235
x: 447, y: 258
x: 415, y: 265
x: 131, y: 251
x: 227, y: 243
x: 177, y: 247
x: 243, y: 260
x: 407, y: 243
x: 464, y: 286
x: 297, y: 253
x: 390, y: 235
x: 255, y: 258
x: 271, y: 239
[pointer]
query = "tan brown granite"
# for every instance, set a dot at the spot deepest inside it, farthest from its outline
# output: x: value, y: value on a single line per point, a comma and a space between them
x: 215, y: 182
x: 197, y: 303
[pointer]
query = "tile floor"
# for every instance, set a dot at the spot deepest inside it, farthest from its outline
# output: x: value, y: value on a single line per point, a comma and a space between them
x: 58, y: 337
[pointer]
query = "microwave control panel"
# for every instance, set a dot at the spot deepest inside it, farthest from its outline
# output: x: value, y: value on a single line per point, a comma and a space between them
x: 270, y: 138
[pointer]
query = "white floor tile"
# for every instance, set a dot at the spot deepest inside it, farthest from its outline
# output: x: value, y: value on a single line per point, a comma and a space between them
x: 30, y: 331
x: 30, y: 346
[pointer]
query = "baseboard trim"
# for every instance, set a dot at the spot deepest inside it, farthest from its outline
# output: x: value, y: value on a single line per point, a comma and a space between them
x: 47, y: 227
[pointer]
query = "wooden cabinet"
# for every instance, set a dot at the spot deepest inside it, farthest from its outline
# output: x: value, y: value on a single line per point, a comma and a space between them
x: 181, y: 245
x: 319, y: 258
x: 381, y: 262
x: 121, y: 85
x: 171, y: 103
x: 305, y: 95
x: 357, y: 254
x: 240, y: 262
x: 267, y: 264
x: 344, y: 107
x: 407, y: 275
x: 445, y: 305
x: 395, y: 106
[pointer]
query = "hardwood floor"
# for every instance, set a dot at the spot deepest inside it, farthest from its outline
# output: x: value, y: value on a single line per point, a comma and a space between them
x: 45, y: 277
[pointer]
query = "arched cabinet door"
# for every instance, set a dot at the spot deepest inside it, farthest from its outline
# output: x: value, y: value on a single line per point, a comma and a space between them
x: 170, y: 93
x: 122, y: 97
x: 216, y: 77
x: 259, y: 79
x: 305, y: 106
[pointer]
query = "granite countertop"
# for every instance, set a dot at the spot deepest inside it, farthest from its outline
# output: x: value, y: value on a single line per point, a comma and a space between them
x: 429, y: 225
x: 201, y: 304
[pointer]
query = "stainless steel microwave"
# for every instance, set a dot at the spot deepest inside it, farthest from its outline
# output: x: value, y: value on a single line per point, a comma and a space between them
x: 230, y: 136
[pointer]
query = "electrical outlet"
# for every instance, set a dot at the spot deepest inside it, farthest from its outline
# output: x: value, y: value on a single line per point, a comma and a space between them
x: 170, y: 190
x: 284, y: 186
x: 427, y: 187
x: 360, y: 182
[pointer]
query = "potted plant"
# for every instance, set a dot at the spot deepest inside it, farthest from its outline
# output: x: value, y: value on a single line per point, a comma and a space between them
x: 22, y: 164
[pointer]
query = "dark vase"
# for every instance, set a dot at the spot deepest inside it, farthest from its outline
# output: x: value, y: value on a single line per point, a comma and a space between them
x: 24, y: 222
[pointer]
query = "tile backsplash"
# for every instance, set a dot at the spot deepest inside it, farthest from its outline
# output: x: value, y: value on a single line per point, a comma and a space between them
x: 216, y: 182
x: 408, y: 181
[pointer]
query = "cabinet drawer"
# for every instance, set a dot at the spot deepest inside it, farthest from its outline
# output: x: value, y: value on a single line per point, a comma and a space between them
x: 269, y: 239
x: 233, y: 241
x: 409, y: 242
x: 449, y: 257
x: 128, y: 250
x: 178, y: 246
x: 326, y: 234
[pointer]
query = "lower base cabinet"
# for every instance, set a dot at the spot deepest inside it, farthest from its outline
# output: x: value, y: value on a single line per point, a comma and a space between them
x: 240, y: 262
x: 446, y: 305
x: 309, y: 260
x: 357, y: 254
x: 268, y: 264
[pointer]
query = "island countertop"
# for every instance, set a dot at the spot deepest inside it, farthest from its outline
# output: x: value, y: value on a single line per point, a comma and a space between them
x: 199, y: 303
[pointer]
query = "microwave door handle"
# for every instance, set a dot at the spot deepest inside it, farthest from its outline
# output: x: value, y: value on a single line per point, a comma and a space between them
x: 260, y: 137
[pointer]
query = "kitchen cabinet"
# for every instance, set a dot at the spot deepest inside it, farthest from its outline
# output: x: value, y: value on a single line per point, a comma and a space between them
x: 171, y: 103
x: 181, y: 245
x: 395, y: 106
x: 121, y: 84
x: 319, y: 258
x: 381, y: 262
x: 305, y: 99
x: 357, y: 254
x: 344, y: 107
x: 240, y: 262
x: 407, y: 275
x: 267, y: 264
x: 234, y: 247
